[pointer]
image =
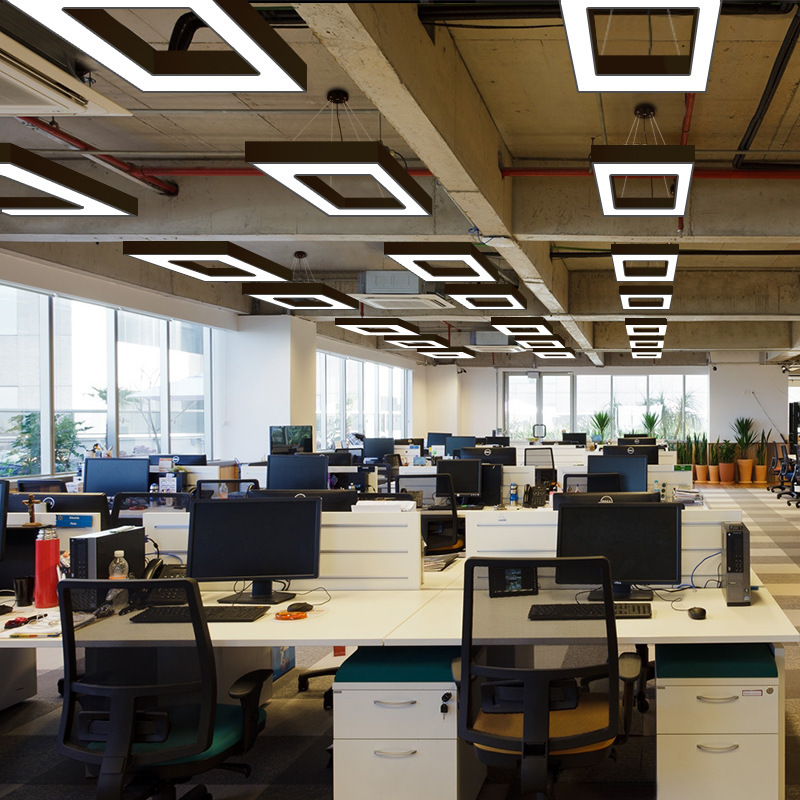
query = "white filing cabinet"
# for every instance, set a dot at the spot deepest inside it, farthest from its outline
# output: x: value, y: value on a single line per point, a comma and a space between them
x: 391, y: 738
x: 718, y: 735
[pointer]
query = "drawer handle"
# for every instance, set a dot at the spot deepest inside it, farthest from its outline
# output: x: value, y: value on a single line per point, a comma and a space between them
x: 704, y: 699
x: 395, y: 703
x: 707, y: 748
x: 395, y: 753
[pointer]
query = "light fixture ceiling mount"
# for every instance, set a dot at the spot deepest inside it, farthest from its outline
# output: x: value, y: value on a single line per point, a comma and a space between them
x: 416, y: 257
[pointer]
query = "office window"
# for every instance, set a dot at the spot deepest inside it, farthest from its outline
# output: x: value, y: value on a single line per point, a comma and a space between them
x: 592, y: 394
x: 371, y: 426
x: 696, y: 402
x: 521, y: 406
x: 334, y: 421
x: 630, y: 403
x: 556, y: 404
x: 665, y: 398
x: 187, y: 368
x: 319, y: 444
x: 354, y: 396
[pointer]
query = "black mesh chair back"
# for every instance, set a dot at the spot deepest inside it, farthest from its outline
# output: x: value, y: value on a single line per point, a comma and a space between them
x: 47, y: 485
x: 214, y: 489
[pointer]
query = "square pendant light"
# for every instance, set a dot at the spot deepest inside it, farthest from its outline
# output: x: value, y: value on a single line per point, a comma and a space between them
x: 645, y: 296
x: 72, y: 193
x: 259, y: 59
x: 675, y: 162
x: 595, y: 72
x: 646, y: 343
x: 451, y: 352
x: 565, y: 353
x: 626, y: 256
x: 646, y: 354
x: 418, y: 342
x: 646, y: 326
x: 377, y: 326
x: 486, y: 296
x: 188, y: 257
x: 473, y: 266
x: 522, y: 326
x: 300, y: 296
x: 552, y: 342
x: 298, y: 165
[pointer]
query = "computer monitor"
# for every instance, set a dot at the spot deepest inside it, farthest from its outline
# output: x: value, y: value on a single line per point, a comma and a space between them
x: 492, y: 455
x: 624, y: 440
x: 632, y: 470
x: 300, y: 471
x: 465, y: 474
x: 300, y: 437
x: 376, y: 449
x: 452, y: 443
x: 649, y: 451
x: 3, y: 512
x: 66, y: 503
x: 182, y: 460
x: 499, y: 441
x: 407, y: 442
x: 437, y: 439
x: 592, y: 498
x: 641, y: 540
x: 596, y: 482
x: 256, y: 540
x: 574, y: 438
x: 332, y: 499
x: 112, y: 475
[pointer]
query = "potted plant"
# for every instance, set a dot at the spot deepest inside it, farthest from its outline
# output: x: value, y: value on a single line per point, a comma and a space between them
x: 713, y: 462
x: 761, y: 457
x: 650, y: 422
x: 744, y: 428
x: 601, y: 422
x: 727, y: 456
x: 700, y: 458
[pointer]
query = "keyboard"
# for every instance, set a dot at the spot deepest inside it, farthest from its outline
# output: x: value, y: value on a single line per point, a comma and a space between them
x: 562, y: 611
x: 219, y: 613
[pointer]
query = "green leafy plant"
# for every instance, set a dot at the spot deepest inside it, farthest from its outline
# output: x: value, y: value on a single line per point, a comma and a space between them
x: 727, y: 452
x: 601, y: 422
x: 762, y: 447
x: 744, y: 428
x: 684, y: 451
x: 25, y: 451
x: 713, y: 453
x: 700, y: 450
x: 650, y: 421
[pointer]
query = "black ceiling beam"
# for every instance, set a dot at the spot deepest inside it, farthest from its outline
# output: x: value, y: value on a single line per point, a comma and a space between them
x: 683, y: 252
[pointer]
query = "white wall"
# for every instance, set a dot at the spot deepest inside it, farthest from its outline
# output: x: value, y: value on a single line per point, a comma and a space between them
x: 480, y: 396
x: 443, y: 400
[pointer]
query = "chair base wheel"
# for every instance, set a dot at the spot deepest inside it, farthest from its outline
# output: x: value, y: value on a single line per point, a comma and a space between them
x: 643, y: 706
x: 327, y: 699
x: 302, y: 684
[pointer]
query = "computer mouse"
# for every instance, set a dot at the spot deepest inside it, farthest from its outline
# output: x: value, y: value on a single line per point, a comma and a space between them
x: 6, y: 609
x: 696, y: 612
x: 300, y: 607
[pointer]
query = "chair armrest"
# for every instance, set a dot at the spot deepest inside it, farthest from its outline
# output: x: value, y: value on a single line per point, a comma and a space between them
x: 247, y: 690
x: 630, y: 666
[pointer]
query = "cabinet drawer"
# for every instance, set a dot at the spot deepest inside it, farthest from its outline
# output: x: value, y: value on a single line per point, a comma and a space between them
x: 395, y: 714
x: 717, y: 765
x: 395, y: 770
x: 710, y: 708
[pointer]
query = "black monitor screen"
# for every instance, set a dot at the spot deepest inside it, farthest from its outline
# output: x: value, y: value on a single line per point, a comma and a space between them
x: 632, y: 470
x: 299, y: 437
x: 582, y: 498
x: 277, y: 434
x: 297, y: 472
x: 66, y: 503
x: 332, y: 499
x: 623, y: 440
x: 112, y: 475
x: 641, y: 540
x: 184, y: 459
x: 573, y: 438
x: 377, y: 448
x: 3, y: 512
x: 406, y: 442
x: 437, y: 439
x: 254, y: 540
x: 500, y: 441
x: 465, y: 474
x: 596, y: 482
x: 452, y: 443
x: 649, y: 451
x: 492, y: 455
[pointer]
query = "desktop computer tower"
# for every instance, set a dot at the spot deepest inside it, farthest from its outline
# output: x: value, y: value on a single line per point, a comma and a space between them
x: 736, y: 563
x: 91, y: 553
x: 491, y: 484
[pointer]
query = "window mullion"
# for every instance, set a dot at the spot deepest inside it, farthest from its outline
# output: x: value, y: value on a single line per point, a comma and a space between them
x: 46, y: 387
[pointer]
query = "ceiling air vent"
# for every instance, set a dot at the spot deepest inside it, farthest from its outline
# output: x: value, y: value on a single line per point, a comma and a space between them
x: 403, y: 302
x: 492, y: 342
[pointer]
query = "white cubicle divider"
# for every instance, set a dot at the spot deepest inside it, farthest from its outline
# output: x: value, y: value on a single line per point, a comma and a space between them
x: 531, y: 533
x: 17, y: 518
x: 170, y: 531
x: 254, y: 472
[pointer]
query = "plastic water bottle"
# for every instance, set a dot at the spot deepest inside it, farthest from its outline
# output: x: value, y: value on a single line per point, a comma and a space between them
x: 118, y: 569
x: 153, y: 490
x: 223, y: 491
x: 512, y: 494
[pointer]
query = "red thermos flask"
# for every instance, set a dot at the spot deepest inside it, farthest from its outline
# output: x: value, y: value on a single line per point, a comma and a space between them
x: 46, y: 574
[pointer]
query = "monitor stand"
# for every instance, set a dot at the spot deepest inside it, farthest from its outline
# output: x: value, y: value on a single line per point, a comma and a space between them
x: 622, y: 591
x: 261, y: 595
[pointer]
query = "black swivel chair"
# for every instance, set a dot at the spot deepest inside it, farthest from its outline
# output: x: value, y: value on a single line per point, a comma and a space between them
x: 236, y: 488
x: 144, y: 717
x: 786, y: 475
x: 48, y: 485
x: 774, y: 468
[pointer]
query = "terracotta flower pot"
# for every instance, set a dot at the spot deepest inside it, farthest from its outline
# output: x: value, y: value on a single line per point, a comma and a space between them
x: 702, y: 473
x: 713, y: 473
x: 760, y: 473
x: 726, y: 472
x: 745, y: 470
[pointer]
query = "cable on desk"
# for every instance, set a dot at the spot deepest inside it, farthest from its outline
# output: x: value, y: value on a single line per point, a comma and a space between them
x: 317, y: 589
x: 155, y: 545
x: 691, y: 577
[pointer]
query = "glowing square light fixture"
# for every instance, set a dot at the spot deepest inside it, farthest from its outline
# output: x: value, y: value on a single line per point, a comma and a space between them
x: 300, y: 296
x: 377, y: 326
x: 298, y: 165
x: 645, y: 296
x: 646, y: 353
x: 473, y: 266
x: 72, y: 194
x: 188, y: 258
x: 450, y: 352
x: 552, y: 342
x: 566, y: 353
x: 645, y: 326
x: 596, y: 72
x: 633, y: 262
x: 655, y: 161
x: 647, y: 343
x: 486, y: 296
x: 259, y: 59
x: 522, y: 326
x: 418, y: 342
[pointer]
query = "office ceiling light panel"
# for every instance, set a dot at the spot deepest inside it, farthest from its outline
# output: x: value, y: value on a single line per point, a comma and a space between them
x: 188, y: 257
x: 522, y: 326
x: 300, y: 296
x: 646, y: 354
x: 672, y: 164
x: 565, y: 353
x: 72, y: 193
x: 298, y: 165
x: 486, y: 296
x: 377, y: 326
x: 418, y: 342
x: 645, y: 296
x: 452, y: 352
x: 552, y: 342
x: 597, y: 72
x: 646, y: 343
x: 258, y: 61
x: 645, y: 326
x: 472, y: 265
x: 634, y: 262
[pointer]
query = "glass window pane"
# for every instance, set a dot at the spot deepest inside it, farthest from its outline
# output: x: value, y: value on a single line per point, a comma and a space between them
x: 186, y: 388
x: 630, y: 403
x: 520, y: 406
x: 370, y: 399
x: 333, y: 400
x: 139, y: 384
x: 592, y: 394
x: 696, y: 404
x: 666, y: 400
x: 353, y: 396
x: 556, y: 404
x: 398, y: 401
x: 321, y: 437
x: 384, y: 400
x: 80, y: 369
x: 20, y: 430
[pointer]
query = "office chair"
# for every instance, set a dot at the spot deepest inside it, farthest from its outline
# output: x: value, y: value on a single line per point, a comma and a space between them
x: 391, y: 466
x: 147, y: 715
x: 48, y: 485
x: 126, y: 504
x: 774, y: 468
x: 539, y: 457
x: 786, y: 475
x: 235, y: 488
x: 522, y: 703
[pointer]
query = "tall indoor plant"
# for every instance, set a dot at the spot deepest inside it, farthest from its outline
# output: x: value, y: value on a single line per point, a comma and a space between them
x: 727, y: 456
x: 601, y: 422
x: 700, y: 458
x: 650, y: 422
x: 744, y: 428
x: 713, y: 462
x: 761, y: 457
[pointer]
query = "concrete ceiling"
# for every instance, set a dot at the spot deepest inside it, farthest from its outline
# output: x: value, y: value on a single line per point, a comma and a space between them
x: 460, y: 99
